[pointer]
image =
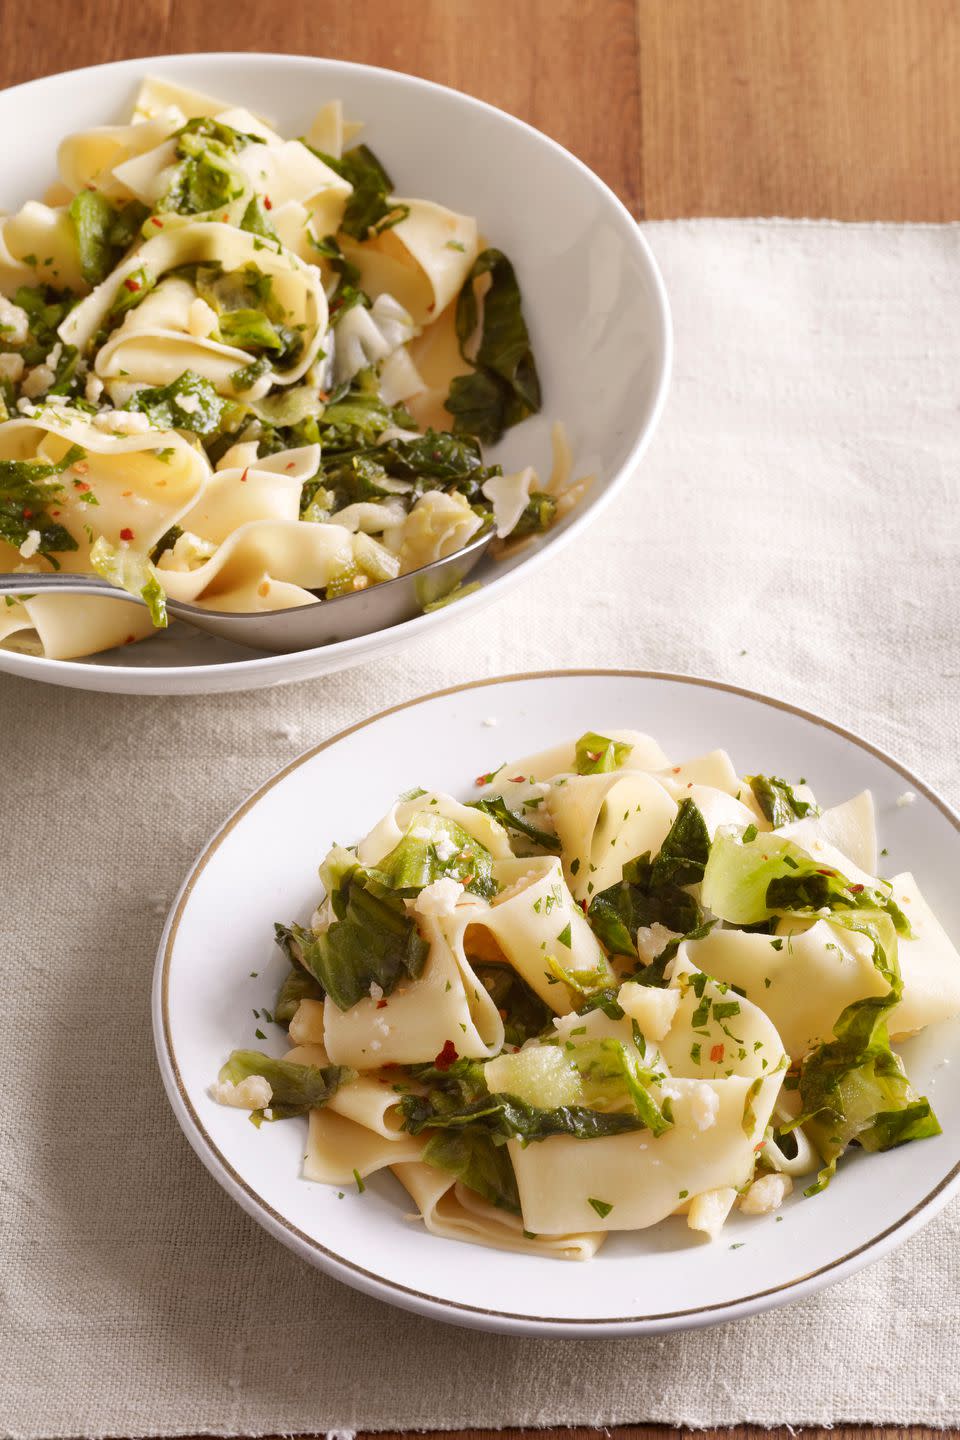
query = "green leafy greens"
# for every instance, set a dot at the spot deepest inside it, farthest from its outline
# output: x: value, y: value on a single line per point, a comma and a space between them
x: 296, y: 1088
x: 133, y: 573
x: 747, y: 882
x: 369, y: 211
x: 372, y: 939
x: 496, y: 807
x: 102, y: 232
x: 163, y: 408
x: 208, y: 178
x: 651, y: 890
x: 854, y: 1088
x: 504, y: 387
x: 27, y: 489
x: 777, y: 800
x: 596, y: 755
x: 524, y: 1014
x: 432, y: 848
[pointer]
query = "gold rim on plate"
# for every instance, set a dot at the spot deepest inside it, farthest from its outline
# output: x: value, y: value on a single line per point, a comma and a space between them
x: 294, y: 1233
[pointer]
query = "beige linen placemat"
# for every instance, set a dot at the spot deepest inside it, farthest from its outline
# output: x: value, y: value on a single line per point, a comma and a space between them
x: 794, y: 529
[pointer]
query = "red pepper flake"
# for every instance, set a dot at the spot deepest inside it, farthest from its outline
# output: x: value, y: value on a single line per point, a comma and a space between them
x: 27, y: 514
x: 823, y: 872
x: 856, y: 889
x: 676, y: 769
x: 155, y: 221
x: 244, y: 476
x: 583, y: 906
x: 55, y: 514
x: 131, y: 284
x: 130, y: 640
x: 447, y: 1056
x: 125, y: 494
x: 81, y: 485
x: 515, y: 779
x: 126, y: 533
x: 759, y: 1147
x: 263, y: 588
x: 381, y: 1004
x: 267, y: 203
x: 290, y: 464
x: 716, y: 1054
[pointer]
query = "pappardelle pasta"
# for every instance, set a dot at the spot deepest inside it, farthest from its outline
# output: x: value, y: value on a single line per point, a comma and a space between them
x: 241, y: 372
x: 608, y: 990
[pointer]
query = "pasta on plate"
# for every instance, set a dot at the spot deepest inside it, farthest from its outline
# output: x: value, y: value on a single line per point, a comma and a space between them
x: 240, y: 371
x: 608, y: 990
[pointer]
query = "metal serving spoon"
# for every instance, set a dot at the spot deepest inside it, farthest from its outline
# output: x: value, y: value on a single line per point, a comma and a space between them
x: 322, y: 623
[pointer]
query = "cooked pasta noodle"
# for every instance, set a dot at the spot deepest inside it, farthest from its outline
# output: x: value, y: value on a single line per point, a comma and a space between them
x: 267, y: 314
x: 606, y: 991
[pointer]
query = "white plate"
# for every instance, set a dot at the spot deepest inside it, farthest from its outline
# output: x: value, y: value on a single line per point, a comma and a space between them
x: 262, y: 867
x: 593, y: 298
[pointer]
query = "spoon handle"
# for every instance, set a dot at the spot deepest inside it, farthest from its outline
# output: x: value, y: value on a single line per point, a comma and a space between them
x: 58, y: 584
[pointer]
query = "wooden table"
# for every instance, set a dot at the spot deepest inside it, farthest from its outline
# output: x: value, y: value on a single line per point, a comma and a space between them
x: 840, y: 108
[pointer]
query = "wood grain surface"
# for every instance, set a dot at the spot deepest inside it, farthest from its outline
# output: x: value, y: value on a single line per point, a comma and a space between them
x: 840, y: 108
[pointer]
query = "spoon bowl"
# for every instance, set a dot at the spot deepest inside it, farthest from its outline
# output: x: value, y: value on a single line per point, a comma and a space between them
x: 322, y: 622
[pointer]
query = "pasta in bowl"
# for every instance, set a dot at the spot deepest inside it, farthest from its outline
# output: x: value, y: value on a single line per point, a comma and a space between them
x: 332, y: 355
x: 608, y: 990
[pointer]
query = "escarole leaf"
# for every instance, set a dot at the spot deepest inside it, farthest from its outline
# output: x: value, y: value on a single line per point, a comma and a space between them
x: 133, y: 573
x: 135, y: 288
x: 746, y: 882
x: 496, y: 807
x: 296, y: 1088
x: 854, y: 1088
x: 164, y: 406
x: 254, y: 220
x: 504, y: 387
x: 613, y: 1085
x: 478, y: 1162
x: 580, y: 983
x: 207, y: 177
x: 537, y: 515
x: 369, y: 211
x: 596, y: 755
x: 371, y: 940
x: 433, y: 848
x: 27, y: 488
x: 510, y: 1118
x: 655, y: 972
x: 612, y: 1076
x: 777, y: 800
x: 248, y: 330
x: 524, y: 1014
x: 299, y: 985
x: 46, y: 310
x: 102, y: 232
x: 651, y: 890
x: 684, y: 853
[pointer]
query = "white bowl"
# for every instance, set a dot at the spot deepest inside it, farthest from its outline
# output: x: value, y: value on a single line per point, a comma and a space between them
x: 593, y: 298
x: 262, y: 866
